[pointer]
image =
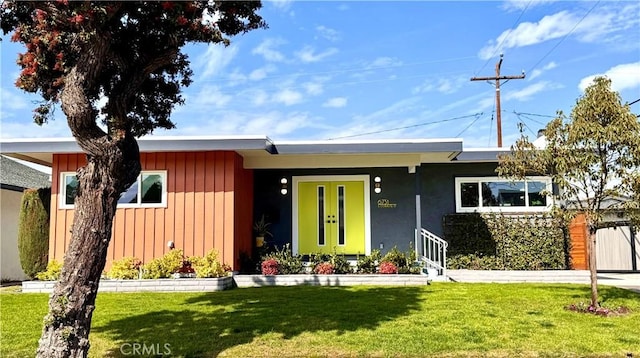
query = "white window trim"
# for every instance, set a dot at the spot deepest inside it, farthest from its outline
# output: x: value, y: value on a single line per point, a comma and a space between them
x: 162, y: 204
x: 506, y: 209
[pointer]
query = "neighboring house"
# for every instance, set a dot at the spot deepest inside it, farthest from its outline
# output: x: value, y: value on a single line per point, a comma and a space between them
x: 14, y: 179
x: 320, y: 196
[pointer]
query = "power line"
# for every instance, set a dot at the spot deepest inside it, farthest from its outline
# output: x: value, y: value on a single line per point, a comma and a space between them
x: 505, y: 38
x: 406, y: 127
x: 467, y: 127
x: 564, y: 37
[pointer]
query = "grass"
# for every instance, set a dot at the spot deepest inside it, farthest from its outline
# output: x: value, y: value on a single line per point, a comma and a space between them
x: 444, y: 319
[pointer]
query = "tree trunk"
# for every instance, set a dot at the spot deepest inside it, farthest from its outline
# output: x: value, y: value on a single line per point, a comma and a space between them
x: 109, y: 171
x: 591, y: 247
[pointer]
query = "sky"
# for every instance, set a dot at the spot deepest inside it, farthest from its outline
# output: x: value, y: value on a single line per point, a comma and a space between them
x: 359, y: 70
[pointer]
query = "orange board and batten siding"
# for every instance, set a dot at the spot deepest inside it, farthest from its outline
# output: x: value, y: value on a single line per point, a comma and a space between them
x: 579, y: 235
x: 209, y: 206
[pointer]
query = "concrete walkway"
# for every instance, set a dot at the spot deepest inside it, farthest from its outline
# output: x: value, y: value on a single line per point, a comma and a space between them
x: 624, y: 280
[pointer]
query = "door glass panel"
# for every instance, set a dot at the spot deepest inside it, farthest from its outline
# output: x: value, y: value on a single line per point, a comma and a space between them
x: 341, y: 209
x: 321, y: 228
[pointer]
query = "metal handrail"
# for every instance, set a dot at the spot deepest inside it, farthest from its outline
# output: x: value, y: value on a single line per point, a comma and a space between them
x: 434, y: 251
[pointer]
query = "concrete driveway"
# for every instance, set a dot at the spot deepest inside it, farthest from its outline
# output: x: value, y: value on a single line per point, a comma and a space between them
x: 629, y: 281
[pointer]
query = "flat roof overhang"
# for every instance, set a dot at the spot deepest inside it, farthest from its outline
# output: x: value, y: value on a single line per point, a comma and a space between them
x: 260, y: 152
x: 41, y: 150
x: 356, y: 154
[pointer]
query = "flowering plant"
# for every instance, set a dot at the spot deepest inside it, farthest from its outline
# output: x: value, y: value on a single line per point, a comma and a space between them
x: 186, y: 267
x: 269, y: 267
x: 387, y: 267
x: 324, y: 268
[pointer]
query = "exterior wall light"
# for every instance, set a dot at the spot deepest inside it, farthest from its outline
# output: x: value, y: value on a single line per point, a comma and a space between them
x: 283, y: 186
x: 171, y: 245
x: 377, y: 186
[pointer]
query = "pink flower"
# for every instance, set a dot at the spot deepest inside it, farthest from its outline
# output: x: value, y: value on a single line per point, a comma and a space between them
x: 387, y: 267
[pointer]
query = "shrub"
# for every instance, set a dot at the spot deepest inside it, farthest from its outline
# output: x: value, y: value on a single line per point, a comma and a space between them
x: 368, y: 264
x: 127, y: 268
x: 270, y: 267
x: 209, y: 265
x: 403, y: 261
x: 164, y: 266
x: 499, y: 241
x: 33, y: 231
x: 52, y: 273
x: 287, y: 262
x: 388, y: 267
x: 324, y: 268
x: 338, y: 261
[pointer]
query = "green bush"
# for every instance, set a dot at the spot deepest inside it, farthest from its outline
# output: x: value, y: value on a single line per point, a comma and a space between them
x: 339, y: 262
x: 369, y: 264
x: 127, y: 268
x: 287, y: 262
x: 209, y: 266
x: 506, y: 242
x: 33, y: 231
x: 52, y: 273
x: 164, y: 266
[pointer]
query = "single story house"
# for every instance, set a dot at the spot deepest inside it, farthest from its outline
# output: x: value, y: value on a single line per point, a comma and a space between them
x: 14, y: 179
x: 350, y: 197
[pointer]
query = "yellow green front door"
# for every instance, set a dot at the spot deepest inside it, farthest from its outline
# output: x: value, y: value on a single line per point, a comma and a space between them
x: 331, y: 217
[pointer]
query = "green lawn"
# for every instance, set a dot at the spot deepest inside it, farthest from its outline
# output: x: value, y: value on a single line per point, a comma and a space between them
x: 444, y: 319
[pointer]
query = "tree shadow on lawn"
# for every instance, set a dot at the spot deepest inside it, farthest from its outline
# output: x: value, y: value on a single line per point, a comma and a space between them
x: 206, y: 325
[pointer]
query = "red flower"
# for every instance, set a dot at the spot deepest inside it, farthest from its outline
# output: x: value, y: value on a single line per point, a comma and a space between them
x: 269, y: 267
x: 324, y: 268
x: 387, y: 267
x: 167, y: 5
x: 181, y: 20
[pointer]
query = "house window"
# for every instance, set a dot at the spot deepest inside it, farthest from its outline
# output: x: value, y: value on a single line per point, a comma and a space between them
x: 497, y: 194
x: 149, y: 190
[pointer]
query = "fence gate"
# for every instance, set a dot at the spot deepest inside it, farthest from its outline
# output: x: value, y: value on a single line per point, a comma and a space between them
x: 617, y: 249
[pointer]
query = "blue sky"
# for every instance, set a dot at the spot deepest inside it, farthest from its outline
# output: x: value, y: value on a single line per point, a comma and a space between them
x: 390, y: 70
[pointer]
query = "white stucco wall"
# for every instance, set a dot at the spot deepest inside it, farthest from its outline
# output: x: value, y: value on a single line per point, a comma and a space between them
x: 10, y: 268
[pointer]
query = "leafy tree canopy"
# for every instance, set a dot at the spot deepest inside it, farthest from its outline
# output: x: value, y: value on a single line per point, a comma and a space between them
x: 127, y: 52
x: 592, y: 155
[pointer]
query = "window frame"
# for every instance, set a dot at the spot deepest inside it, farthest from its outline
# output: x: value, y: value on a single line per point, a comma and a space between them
x: 62, y: 193
x: 507, y: 209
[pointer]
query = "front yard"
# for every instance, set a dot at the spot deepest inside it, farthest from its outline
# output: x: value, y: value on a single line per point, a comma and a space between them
x: 444, y: 319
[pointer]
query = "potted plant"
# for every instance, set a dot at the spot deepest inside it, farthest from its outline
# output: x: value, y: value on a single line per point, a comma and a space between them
x: 261, y: 227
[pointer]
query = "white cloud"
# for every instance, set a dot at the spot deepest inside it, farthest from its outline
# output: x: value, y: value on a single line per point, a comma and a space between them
x: 280, y: 4
x: 308, y: 54
x: 625, y: 76
x: 211, y: 96
x: 259, y: 97
x: 215, y: 59
x: 442, y: 85
x: 335, y: 102
x: 328, y: 33
x: 313, y: 88
x: 383, y: 62
x: 11, y: 101
x: 537, y: 72
x: 261, y: 73
x: 287, y: 97
x: 529, y: 91
x: 599, y: 25
x: 267, y: 50
x: 523, y: 4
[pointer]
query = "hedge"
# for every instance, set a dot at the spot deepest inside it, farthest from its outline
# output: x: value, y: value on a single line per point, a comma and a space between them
x: 506, y: 242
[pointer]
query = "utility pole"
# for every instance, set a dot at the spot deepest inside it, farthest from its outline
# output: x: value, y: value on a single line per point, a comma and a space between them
x: 497, y: 78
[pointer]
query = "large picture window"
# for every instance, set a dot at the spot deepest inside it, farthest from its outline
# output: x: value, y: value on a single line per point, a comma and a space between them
x: 149, y: 190
x: 497, y: 194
